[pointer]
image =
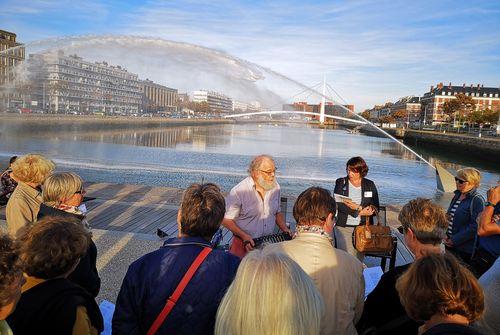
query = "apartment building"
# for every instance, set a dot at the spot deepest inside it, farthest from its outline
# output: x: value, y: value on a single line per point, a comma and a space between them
x: 12, y: 54
x: 432, y: 101
x: 70, y: 84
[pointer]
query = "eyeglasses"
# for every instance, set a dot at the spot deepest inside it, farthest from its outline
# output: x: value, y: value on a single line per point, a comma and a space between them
x: 460, y: 181
x: 269, y: 173
x: 81, y: 191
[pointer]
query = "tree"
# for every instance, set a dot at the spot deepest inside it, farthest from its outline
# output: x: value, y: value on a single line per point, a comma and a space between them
x: 484, y: 116
x: 451, y: 106
x: 460, y: 107
x: 366, y: 114
x: 400, y: 114
x: 387, y: 119
x: 199, y: 107
x: 491, y: 116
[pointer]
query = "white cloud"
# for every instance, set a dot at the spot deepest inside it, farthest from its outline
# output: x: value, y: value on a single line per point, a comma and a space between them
x: 305, y: 41
x: 55, y: 9
x: 369, y: 51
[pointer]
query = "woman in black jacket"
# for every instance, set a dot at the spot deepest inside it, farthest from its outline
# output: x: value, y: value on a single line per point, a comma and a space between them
x: 50, y: 303
x: 62, y: 197
x: 363, y: 194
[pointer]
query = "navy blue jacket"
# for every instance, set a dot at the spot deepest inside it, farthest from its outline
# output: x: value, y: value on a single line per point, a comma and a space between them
x: 152, y: 279
x: 491, y: 244
x: 463, y: 234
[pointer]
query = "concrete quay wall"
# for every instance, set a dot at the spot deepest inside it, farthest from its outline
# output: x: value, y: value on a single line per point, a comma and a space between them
x: 84, y: 122
x: 477, y: 145
x: 465, y: 143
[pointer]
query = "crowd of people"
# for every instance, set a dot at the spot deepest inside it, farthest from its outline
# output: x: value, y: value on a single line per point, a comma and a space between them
x: 310, y: 284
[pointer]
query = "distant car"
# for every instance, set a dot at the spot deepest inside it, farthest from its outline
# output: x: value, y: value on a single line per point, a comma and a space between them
x: 25, y: 111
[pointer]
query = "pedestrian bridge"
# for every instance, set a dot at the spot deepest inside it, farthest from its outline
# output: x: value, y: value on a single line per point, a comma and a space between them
x: 275, y: 112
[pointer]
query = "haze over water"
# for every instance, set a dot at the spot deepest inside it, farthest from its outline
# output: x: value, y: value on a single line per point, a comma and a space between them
x: 179, y: 156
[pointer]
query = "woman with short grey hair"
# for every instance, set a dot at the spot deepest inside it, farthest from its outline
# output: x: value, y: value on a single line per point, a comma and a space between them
x: 63, y: 197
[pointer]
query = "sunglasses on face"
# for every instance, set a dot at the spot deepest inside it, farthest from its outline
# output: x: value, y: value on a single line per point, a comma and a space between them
x: 82, y: 191
x: 460, y: 181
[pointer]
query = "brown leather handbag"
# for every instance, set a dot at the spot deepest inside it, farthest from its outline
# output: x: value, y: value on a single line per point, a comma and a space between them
x: 372, y: 238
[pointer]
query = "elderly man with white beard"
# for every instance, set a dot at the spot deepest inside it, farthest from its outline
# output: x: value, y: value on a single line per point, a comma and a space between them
x: 253, y: 207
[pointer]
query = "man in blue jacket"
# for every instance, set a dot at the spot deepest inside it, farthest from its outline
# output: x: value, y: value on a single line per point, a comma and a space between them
x: 152, y: 279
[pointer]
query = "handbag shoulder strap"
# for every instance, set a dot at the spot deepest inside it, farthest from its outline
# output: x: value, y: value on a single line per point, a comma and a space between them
x: 367, y: 218
x: 471, y: 208
x: 172, y: 300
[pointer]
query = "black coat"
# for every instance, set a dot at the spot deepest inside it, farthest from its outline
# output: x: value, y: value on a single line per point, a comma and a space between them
x: 451, y: 329
x: 85, y: 273
x: 383, y: 306
x: 342, y: 187
x: 50, y: 308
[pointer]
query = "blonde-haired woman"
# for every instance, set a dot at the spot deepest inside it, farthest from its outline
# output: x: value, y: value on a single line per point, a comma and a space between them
x: 270, y: 295
x: 63, y: 197
x: 30, y: 172
x: 462, y: 213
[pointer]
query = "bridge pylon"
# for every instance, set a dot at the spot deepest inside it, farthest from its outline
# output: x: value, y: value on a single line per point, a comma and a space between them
x: 323, y: 101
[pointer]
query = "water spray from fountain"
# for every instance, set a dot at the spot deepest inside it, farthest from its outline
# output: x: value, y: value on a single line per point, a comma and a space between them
x: 188, y: 67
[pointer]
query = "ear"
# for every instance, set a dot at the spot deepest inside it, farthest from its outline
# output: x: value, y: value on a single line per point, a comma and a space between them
x: 179, y: 222
x: 410, y: 236
x: 329, y: 224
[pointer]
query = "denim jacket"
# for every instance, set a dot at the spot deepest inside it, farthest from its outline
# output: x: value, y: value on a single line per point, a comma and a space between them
x: 464, y: 230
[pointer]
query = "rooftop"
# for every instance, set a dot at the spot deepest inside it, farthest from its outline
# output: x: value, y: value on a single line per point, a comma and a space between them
x: 464, y: 89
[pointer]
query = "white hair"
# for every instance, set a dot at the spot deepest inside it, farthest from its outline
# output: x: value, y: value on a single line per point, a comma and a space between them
x: 256, y: 163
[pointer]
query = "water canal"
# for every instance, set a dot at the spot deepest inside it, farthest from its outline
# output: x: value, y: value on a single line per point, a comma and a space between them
x: 178, y: 156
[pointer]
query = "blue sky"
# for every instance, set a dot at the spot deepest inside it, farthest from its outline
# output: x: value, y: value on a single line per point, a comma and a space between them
x: 370, y: 51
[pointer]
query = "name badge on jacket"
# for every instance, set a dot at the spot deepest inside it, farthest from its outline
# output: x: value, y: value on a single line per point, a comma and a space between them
x: 368, y: 194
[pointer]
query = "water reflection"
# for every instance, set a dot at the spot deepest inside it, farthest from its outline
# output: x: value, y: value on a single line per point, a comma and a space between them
x: 200, y: 138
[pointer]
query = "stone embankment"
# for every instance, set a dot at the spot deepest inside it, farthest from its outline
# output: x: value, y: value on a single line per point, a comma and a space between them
x: 88, y: 122
x: 477, y: 146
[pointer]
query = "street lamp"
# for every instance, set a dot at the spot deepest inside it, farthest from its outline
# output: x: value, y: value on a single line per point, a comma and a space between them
x: 425, y: 113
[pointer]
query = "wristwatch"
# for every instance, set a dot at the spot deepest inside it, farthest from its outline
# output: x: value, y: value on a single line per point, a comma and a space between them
x: 487, y: 203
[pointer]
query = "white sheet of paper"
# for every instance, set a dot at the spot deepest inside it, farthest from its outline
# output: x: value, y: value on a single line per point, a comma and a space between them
x: 107, y: 310
x: 340, y: 197
x: 372, y: 277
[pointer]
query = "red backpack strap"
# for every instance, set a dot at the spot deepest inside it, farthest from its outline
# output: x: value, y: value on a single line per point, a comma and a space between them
x: 172, y: 300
